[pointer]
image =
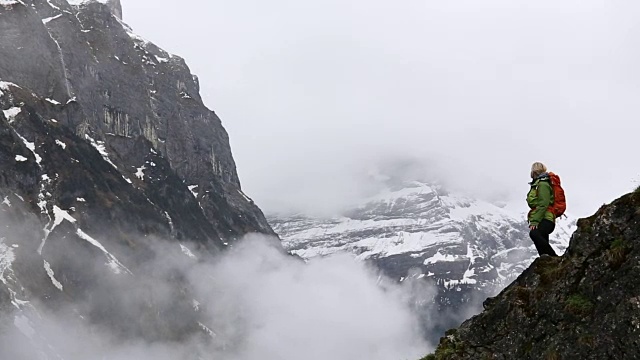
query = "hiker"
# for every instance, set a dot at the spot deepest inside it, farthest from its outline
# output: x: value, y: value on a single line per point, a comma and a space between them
x: 541, y: 218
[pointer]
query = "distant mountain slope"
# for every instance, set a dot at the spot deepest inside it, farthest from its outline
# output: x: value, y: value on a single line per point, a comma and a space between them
x: 584, y: 305
x: 454, y: 239
x: 470, y: 248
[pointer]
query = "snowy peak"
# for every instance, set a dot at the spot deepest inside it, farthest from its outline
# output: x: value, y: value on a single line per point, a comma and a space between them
x: 390, y: 204
x: 417, y: 231
x: 451, y: 238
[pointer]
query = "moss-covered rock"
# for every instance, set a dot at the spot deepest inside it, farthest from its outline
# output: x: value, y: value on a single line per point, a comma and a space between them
x: 583, y: 305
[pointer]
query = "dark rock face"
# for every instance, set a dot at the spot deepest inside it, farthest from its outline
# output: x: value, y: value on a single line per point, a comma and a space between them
x: 106, y: 83
x: 583, y: 305
x: 108, y: 160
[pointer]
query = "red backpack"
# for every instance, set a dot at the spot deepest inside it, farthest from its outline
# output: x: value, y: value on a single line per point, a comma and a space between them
x: 559, y: 205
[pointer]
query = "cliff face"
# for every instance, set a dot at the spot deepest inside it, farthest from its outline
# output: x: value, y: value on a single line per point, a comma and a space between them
x: 83, y: 67
x: 109, y: 160
x: 583, y: 305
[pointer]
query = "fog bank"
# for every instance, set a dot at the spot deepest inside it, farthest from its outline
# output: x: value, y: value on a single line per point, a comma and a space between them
x: 256, y: 302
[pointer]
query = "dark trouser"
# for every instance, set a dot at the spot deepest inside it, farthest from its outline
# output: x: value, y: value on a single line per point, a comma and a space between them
x: 540, y: 237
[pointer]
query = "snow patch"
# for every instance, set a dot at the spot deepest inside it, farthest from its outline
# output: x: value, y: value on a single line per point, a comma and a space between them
x: 207, y: 330
x: 32, y: 147
x: 6, y: 201
x: 46, y: 21
x: 472, y: 260
x: 11, y: 113
x: 54, y: 102
x: 466, y: 278
x: 161, y: 59
x: 440, y: 257
x: 469, y: 274
x: 113, y: 263
x: 9, y: 2
x: 7, y: 257
x: 99, y: 145
x: 51, y: 274
x: 140, y: 173
x: 52, y: 5
x: 81, y: 2
x: 81, y: 199
x: 186, y: 251
x: 4, y: 85
x: 20, y: 158
x: 61, y: 144
x: 192, y: 188
x: 59, y: 216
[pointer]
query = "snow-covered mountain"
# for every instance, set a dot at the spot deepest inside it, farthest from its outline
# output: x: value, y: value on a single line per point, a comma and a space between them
x: 470, y: 248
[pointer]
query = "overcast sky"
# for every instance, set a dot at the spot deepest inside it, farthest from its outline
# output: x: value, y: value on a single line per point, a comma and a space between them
x: 315, y: 93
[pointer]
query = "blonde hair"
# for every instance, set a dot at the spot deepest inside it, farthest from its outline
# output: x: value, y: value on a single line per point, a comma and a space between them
x: 537, y: 169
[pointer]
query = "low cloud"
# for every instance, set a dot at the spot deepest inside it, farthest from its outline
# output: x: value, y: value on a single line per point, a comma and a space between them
x: 329, y: 308
x: 255, y: 301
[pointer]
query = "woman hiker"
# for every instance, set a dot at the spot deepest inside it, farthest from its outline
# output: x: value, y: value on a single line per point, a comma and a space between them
x: 541, y: 219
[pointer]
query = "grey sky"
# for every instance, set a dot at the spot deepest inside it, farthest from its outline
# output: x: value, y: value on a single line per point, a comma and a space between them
x: 314, y: 93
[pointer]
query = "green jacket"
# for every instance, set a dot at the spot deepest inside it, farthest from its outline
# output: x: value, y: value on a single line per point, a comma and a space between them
x: 539, y: 199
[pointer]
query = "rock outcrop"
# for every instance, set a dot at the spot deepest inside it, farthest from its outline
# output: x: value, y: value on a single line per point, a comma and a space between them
x: 583, y: 305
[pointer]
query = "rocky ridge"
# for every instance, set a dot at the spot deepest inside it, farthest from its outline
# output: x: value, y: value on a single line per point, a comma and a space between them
x: 583, y: 305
